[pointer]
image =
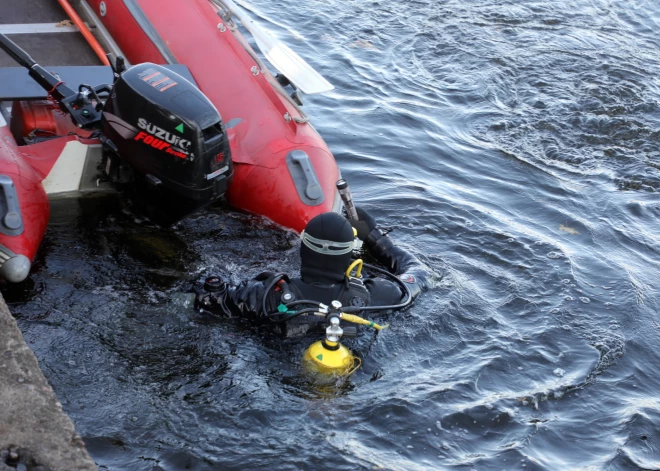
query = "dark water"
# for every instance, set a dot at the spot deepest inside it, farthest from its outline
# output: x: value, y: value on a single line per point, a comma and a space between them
x: 514, y: 145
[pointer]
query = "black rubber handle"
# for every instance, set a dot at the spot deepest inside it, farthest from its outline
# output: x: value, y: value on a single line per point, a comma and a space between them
x: 16, y: 53
x: 287, y: 295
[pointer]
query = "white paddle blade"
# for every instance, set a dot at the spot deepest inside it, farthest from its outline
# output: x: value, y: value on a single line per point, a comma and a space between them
x: 287, y: 62
x: 294, y: 67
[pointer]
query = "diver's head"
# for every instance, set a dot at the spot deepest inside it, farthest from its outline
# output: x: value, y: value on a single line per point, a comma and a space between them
x: 325, y: 252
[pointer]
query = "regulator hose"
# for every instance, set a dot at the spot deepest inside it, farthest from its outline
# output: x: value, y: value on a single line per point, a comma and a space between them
x: 276, y: 278
x: 288, y: 315
x: 407, y: 302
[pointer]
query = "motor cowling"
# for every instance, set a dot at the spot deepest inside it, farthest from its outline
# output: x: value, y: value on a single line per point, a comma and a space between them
x: 170, y: 134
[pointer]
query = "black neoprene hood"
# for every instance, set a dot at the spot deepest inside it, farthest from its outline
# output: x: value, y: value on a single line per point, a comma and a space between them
x: 321, y: 260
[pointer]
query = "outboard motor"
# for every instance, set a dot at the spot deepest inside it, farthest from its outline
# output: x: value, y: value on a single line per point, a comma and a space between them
x: 170, y: 135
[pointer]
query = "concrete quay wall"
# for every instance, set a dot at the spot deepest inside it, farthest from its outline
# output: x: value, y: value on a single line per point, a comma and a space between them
x: 35, y: 433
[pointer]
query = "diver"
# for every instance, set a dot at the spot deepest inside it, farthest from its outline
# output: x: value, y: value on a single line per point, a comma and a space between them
x: 326, y: 253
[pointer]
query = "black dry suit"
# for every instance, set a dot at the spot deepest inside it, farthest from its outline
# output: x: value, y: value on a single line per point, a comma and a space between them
x: 326, y: 253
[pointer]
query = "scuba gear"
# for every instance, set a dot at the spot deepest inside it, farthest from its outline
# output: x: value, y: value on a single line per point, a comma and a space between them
x: 319, y: 360
x: 214, y: 284
x: 216, y: 290
x: 350, y: 292
x: 284, y: 313
x: 329, y: 356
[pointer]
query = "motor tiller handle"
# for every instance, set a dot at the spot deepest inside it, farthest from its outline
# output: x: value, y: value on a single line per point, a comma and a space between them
x: 16, y: 53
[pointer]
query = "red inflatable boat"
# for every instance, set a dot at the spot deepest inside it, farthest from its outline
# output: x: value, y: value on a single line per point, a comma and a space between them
x: 193, y: 114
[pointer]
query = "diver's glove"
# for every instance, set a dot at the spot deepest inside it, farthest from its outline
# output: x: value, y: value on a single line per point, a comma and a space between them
x: 364, y: 225
x: 374, y: 239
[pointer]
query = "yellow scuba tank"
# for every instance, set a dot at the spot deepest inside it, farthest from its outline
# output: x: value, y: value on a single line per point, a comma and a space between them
x: 324, y: 359
x: 328, y: 357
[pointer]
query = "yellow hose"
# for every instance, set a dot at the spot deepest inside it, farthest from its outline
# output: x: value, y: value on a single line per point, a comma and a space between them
x: 358, y: 320
x: 357, y: 263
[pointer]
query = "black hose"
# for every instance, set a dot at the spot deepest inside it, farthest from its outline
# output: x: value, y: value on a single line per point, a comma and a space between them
x: 285, y: 316
x: 270, y: 286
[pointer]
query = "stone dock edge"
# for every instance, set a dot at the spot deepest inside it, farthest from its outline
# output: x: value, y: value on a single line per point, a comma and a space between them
x: 35, y: 433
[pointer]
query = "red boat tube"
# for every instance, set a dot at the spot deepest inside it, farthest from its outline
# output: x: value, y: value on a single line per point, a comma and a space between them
x: 24, y: 206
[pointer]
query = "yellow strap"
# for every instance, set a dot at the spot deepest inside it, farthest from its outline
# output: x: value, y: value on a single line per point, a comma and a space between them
x: 355, y: 263
x: 358, y: 320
